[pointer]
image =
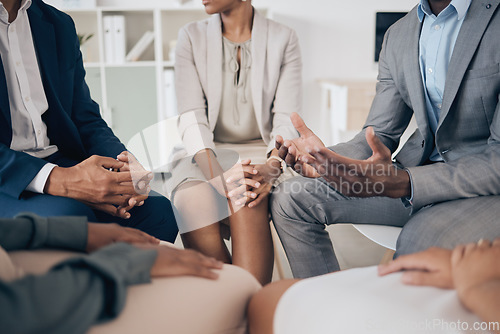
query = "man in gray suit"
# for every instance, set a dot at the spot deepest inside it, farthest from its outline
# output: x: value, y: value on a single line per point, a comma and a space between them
x: 440, y: 64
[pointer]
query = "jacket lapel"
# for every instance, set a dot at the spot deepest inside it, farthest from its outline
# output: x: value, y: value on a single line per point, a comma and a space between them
x: 414, y: 79
x: 468, y: 39
x: 44, y: 40
x: 259, y: 48
x: 214, y: 69
x: 4, y: 95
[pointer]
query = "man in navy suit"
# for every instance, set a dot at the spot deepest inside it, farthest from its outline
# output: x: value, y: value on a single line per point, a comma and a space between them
x: 57, y: 155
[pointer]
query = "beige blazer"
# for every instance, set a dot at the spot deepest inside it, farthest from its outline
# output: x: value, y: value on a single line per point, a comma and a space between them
x: 276, y: 80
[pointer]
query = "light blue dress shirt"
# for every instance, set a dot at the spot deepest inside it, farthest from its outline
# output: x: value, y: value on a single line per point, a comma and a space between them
x: 437, y: 40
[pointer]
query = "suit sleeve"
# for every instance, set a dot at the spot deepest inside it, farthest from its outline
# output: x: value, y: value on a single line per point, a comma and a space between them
x: 469, y: 176
x: 97, y: 137
x: 191, y: 101
x: 288, y: 97
x: 76, y: 293
x: 389, y: 114
x: 17, y: 170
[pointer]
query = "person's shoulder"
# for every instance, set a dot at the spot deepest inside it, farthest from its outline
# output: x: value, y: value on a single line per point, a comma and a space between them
x: 406, y: 22
x: 54, y: 15
x: 278, y: 33
x: 197, y: 27
x: 275, y: 27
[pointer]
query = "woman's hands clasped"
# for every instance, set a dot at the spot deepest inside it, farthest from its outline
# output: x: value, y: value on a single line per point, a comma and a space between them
x: 250, y: 184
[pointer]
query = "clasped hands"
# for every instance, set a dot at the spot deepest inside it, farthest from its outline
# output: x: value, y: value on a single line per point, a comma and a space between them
x: 375, y: 176
x: 247, y: 184
x: 114, y: 186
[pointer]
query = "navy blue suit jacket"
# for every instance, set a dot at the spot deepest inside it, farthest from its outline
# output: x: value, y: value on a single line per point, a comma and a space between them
x: 73, y: 119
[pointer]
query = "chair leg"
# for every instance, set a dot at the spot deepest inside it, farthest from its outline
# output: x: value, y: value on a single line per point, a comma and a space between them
x: 389, y: 254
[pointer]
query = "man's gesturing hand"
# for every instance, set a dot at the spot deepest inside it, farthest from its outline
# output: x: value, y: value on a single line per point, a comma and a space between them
x: 92, y: 182
x: 291, y: 150
x: 375, y: 176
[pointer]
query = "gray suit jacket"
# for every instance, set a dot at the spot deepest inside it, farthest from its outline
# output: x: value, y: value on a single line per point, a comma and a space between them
x: 276, y: 80
x: 468, y: 134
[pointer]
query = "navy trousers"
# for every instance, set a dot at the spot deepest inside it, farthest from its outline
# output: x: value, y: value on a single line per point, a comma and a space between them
x: 156, y: 217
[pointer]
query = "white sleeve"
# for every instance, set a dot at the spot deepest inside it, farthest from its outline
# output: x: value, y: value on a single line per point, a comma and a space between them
x: 38, y: 183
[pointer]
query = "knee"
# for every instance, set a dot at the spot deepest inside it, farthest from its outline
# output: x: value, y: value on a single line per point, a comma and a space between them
x: 291, y: 199
x: 199, y: 194
x: 281, y: 197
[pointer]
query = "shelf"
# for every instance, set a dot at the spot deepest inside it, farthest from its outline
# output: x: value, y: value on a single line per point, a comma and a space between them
x: 121, y: 89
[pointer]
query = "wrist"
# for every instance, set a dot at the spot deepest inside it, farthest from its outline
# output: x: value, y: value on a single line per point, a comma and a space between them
x: 401, y: 185
x: 56, y: 182
x: 275, y: 162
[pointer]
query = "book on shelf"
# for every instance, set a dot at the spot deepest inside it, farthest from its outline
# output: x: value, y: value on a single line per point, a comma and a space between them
x: 114, y: 39
x: 142, y: 44
x: 119, y: 38
x: 169, y: 93
x: 109, y: 40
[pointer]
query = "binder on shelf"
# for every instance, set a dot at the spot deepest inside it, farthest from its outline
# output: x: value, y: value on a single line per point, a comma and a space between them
x: 169, y: 91
x: 119, y: 39
x: 141, y: 46
x: 109, y: 41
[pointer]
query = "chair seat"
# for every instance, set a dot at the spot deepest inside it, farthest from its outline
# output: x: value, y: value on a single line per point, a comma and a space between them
x: 386, y: 236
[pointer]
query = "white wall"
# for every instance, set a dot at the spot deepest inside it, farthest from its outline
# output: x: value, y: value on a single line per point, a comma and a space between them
x: 337, y: 38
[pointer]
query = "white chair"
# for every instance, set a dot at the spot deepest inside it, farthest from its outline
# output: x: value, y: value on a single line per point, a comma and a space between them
x: 385, y: 236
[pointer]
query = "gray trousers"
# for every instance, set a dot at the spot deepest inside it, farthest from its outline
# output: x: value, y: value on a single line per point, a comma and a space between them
x: 302, y: 207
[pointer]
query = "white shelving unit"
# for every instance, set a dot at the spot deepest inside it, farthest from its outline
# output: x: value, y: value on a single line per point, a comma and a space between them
x: 132, y: 94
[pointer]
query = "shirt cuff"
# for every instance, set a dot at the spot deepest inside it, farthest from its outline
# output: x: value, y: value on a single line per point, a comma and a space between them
x: 38, y: 183
x: 408, y: 201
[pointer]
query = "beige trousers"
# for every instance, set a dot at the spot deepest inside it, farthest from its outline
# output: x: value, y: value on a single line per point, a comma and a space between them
x: 178, y: 305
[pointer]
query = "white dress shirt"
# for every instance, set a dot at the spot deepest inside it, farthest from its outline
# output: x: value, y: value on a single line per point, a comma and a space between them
x: 27, y: 98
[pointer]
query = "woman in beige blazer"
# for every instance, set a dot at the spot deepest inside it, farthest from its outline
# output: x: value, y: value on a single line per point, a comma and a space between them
x: 238, y: 79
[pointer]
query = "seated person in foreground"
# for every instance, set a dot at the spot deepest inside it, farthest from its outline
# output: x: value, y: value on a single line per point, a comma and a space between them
x: 55, y: 149
x: 356, y: 301
x: 82, y: 290
x: 439, y: 64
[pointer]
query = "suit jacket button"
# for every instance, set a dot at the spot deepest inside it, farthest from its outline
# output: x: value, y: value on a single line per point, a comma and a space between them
x: 488, y: 6
x: 423, y: 142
